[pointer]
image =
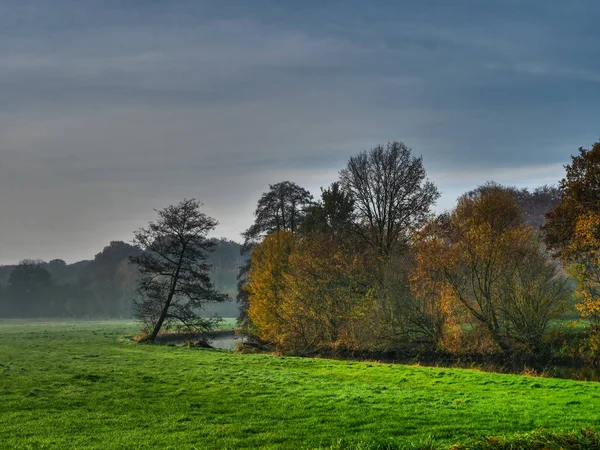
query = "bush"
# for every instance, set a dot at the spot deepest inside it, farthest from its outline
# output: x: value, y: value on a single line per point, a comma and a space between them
x: 591, y: 348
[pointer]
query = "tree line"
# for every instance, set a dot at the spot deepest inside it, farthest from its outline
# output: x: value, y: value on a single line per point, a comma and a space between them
x: 368, y: 266
x: 104, y: 287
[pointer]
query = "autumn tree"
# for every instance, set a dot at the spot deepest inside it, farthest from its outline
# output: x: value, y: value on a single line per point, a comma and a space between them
x: 265, y: 288
x: 494, y: 268
x: 580, y: 195
x: 175, y: 282
x: 330, y: 291
x: 573, y: 227
x: 280, y: 209
x: 310, y: 293
x: 430, y: 305
x: 584, y: 256
x: 391, y: 194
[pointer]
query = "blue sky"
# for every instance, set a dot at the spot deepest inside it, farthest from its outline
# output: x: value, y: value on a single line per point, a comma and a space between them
x: 111, y: 108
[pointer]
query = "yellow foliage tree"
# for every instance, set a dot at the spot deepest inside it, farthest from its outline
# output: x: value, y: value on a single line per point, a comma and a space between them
x: 492, y: 266
x: 266, y: 286
x: 433, y: 301
x: 584, y: 250
x: 329, y: 293
x: 309, y: 293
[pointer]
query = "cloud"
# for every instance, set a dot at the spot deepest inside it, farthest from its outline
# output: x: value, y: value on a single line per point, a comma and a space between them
x: 110, y: 109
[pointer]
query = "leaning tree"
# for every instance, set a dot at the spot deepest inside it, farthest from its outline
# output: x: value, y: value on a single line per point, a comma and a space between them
x: 175, y: 282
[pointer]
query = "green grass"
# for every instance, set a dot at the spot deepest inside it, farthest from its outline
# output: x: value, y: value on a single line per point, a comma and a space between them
x: 227, y: 324
x: 86, y: 385
x: 582, y: 439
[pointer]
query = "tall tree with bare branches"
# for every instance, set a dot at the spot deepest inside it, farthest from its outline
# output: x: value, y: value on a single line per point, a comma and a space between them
x: 391, y: 195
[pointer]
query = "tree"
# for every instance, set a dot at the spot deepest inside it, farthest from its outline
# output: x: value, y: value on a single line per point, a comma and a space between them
x: 391, y: 194
x: 580, y: 195
x: 266, y: 287
x: 109, y: 281
x: 279, y: 209
x: 429, y: 309
x: 57, y: 268
x: 334, y: 214
x: 29, y: 276
x: 572, y: 229
x: 175, y: 282
x: 328, y: 295
x: 537, y: 203
x: 309, y: 293
x: 493, y: 266
x: 533, y: 291
x: 584, y: 254
x: 29, y: 286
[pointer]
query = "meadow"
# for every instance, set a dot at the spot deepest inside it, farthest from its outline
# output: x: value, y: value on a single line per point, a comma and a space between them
x: 89, y: 385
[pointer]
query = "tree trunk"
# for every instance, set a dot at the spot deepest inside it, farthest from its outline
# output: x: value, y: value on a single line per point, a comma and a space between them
x: 165, y: 310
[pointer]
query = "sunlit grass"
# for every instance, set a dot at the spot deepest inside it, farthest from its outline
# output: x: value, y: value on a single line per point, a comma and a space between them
x: 86, y: 385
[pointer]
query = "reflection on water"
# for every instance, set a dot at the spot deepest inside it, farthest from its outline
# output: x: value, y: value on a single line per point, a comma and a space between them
x: 225, y: 342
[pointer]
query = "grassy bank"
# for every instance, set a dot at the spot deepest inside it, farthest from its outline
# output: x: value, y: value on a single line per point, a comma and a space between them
x: 86, y: 385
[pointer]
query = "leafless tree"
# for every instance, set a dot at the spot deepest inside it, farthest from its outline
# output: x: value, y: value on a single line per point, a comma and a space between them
x: 391, y: 194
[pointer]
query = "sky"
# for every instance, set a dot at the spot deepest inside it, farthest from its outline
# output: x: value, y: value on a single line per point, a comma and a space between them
x: 109, y: 109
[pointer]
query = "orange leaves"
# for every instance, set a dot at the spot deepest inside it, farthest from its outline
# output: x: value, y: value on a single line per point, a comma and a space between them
x: 484, y: 262
x: 307, y: 293
x: 266, y: 287
x: 584, y: 251
x: 573, y: 228
x: 587, y: 235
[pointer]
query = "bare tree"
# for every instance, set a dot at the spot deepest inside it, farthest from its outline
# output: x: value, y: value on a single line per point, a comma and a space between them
x: 391, y: 194
x: 175, y: 281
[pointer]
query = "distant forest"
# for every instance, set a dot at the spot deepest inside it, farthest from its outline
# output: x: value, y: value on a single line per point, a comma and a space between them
x: 103, y: 287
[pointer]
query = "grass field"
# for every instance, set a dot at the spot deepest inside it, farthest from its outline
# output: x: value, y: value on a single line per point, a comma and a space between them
x: 86, y: 385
